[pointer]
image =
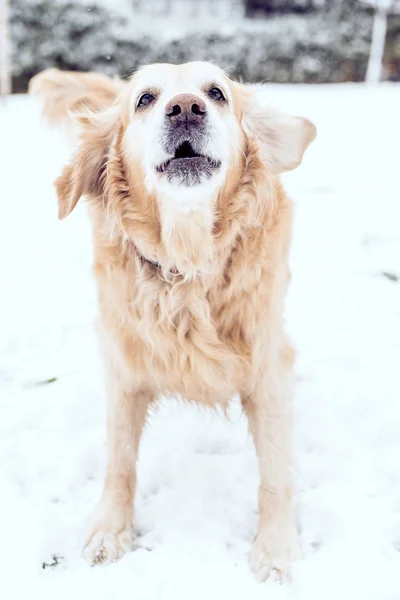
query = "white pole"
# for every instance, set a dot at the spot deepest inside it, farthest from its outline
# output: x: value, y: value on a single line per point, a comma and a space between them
x: 5, y: 49
x: 377, y: 49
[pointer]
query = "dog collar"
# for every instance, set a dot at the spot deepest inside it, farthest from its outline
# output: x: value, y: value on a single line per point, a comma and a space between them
x: 144, y: 260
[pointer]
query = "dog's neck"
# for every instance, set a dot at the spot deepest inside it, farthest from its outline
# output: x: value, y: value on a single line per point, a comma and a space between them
x: 186, y: 220
x: 186, y: 243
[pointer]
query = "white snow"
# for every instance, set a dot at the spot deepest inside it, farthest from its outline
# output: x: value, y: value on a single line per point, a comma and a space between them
x: 196, y: 501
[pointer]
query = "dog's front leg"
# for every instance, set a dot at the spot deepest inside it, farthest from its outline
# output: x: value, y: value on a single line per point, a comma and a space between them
x: 268, y: 408
x: 111, y: 530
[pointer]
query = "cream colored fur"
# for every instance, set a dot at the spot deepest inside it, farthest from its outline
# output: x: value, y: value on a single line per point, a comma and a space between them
x: 212, y: 330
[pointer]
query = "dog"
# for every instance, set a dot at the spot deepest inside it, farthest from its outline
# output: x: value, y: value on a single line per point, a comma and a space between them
x: 180, y: 166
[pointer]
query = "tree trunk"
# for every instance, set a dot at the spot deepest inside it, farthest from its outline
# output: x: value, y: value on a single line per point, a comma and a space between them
x: 377, y: 49
x: 5, y: 54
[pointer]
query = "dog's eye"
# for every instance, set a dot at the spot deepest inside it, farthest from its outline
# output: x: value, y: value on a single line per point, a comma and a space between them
x: 145, y: 100
x: 216, y: 94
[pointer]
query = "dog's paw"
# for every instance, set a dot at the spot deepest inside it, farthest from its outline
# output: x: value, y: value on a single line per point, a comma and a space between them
x: 105, y: 547
x: 110, y: 535
x: 274, y: 551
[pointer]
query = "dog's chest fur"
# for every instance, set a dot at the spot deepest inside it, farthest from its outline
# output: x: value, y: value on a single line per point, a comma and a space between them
x: 192, y: 338
x: 196, y: 338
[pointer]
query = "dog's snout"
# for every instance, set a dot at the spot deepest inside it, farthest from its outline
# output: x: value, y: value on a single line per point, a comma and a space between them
x: 185, y: 107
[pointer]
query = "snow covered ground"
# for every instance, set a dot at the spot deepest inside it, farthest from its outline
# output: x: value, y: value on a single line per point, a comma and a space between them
x: 196, y: 502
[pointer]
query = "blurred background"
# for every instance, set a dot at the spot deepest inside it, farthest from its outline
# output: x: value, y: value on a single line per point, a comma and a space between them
x: 284, y: 41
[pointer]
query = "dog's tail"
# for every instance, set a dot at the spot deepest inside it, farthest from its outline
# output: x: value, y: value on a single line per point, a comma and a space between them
x: 64, y: 91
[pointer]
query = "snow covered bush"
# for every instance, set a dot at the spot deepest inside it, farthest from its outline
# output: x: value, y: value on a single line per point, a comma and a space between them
x: 329, y: 44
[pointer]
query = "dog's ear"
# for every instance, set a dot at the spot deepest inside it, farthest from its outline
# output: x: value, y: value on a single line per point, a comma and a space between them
x: 85, y: 173
x: 282, y: 139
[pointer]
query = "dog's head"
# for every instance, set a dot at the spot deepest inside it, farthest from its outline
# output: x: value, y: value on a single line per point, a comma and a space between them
x: 184, y: 121
x: 176, y: 140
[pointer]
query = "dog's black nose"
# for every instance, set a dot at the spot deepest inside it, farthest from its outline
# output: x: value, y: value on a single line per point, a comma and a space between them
x: 185, y: 108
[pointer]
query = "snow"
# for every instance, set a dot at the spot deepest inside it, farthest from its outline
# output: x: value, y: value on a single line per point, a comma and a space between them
x: 180, y: 15
x: 196, y: 501
x: 385, y: 5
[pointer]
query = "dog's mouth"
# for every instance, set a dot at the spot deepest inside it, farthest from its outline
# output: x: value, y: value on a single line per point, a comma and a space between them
x: 187, y: 166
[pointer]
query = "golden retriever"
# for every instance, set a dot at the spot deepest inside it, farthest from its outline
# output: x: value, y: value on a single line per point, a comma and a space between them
x: 191, y: 225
